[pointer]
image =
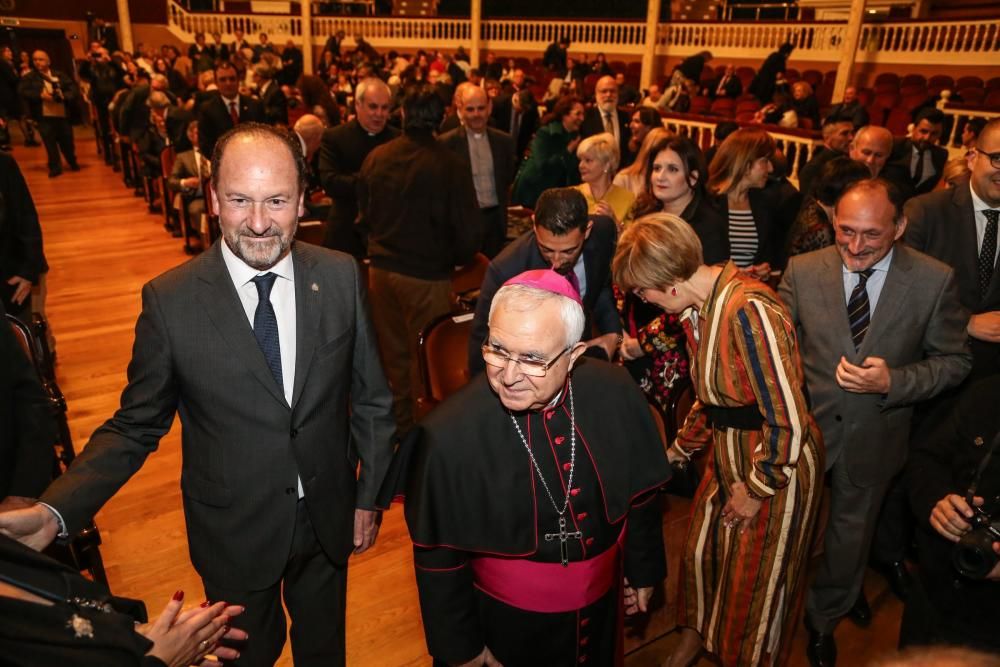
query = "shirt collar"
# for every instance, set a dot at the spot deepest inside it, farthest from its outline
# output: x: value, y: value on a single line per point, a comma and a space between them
x: 227, y: 101
x: 242, y: 273
x: 881, y: 265
x: 977, y: 203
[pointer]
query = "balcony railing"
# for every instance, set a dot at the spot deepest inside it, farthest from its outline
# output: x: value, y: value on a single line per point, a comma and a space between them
x: 910, y: 42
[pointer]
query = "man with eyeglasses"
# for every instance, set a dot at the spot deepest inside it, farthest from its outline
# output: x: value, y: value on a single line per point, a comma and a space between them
x: 519, y: 490
x: 575, y: 245
x: 959, y: 227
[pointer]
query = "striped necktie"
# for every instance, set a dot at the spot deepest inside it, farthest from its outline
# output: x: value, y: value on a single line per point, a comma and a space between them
x: 859, y: 309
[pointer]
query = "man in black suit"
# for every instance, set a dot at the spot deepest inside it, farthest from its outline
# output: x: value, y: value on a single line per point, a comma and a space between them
x: 517, y: 115
x: 201, y: 54
x: 604, y: 116
x: 837, y: 135
x: 104, y: 34
x: 224, y: 111
x: 291, y: 64
x: 49, y: 95
x: 566, y: 240
x: 22, y: 261
x: 554, y: 58
x: 959, y: 227
x: 727, y: 85
x: 851, y: 108
x: 919, y: 155
x: 489, y: 156
x: 217, y: 48
x: 270, y: 95
x: 239, y: 44
x: 343, y: 150
x: 264, y: 347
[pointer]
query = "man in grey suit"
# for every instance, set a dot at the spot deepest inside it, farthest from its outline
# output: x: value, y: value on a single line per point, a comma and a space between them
x: 489, y: 156
x: 959, y: 227
x: 880, y: 328
x: 266, y: 350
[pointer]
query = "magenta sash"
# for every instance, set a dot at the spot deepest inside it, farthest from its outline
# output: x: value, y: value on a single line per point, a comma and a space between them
x: 547, y: 587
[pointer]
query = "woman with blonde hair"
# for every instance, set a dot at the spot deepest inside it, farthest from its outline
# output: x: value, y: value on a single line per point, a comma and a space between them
x: 738, y: 172
x: 633, y: 177
x: 752, y: 517
x: 598, y: 160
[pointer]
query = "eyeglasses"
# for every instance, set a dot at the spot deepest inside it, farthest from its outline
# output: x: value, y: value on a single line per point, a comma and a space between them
x: 499, y: 358
x: 994, y: 158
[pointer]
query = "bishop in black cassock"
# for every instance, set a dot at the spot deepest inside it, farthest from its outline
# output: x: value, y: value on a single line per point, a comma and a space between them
x: 531, y: 496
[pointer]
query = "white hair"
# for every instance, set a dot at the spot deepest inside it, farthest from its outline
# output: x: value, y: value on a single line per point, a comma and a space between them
x: 524, y: 298
x: 365, y: 84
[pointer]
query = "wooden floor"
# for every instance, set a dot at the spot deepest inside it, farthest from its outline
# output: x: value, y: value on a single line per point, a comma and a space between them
x: 102, y: 245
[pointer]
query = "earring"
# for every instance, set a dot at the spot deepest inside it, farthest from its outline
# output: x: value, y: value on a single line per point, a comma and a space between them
x: 673, y: 291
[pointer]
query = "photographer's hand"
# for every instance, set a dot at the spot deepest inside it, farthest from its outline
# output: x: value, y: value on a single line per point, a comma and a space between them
x: 949, y: 516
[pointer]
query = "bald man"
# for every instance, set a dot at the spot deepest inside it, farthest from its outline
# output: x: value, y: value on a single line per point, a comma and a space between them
x: 873, y: 146
x: 48, y: 94
x: 605, y: 116
x: 309, y: 129
x: 488, y: 153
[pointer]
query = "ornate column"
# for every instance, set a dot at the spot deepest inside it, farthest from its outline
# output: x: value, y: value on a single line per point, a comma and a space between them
x: 648, y: 75
x: 307, y: 33
x: 124, y: 26
x: 476, y: 21
x: 850, y: 49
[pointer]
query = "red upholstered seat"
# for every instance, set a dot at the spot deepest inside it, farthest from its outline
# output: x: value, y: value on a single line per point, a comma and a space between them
x: 913, y: 89
x: 992, y: 101
x: 747, y: 105
x: 941, y: 81
x: 974, y: 95
x: 887, y: 77
x: 993, y: 84
x: 886, y: 87
x: 700, y: 104
x: 914, y: 80
x: 865, y: 96
x: 969, y: 82
x: 812, y: 77
x: 898, y: 121
x: 792, y: 75
x: 723, y: 106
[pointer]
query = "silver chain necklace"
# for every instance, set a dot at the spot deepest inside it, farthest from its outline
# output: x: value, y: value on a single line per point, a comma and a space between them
x: 563, y: 535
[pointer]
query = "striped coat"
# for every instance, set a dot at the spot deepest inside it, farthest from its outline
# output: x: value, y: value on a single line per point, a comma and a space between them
x: 737, y: 589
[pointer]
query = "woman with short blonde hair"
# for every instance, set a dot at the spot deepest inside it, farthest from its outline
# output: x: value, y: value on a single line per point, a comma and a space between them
x: 598, y: 157
x: 747, y: 547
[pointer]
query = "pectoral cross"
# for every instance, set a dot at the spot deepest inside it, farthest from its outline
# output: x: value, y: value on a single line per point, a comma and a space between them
x: 563, y: 535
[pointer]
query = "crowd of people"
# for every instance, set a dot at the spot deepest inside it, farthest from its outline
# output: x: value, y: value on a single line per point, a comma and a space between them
x: 841, y: 334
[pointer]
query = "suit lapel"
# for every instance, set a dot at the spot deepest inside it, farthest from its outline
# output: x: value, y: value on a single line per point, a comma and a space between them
x: 308, y: 305
x: 890, y: 300
x: 831, y: 286
x: 223, y: 307
x: 964, y: 229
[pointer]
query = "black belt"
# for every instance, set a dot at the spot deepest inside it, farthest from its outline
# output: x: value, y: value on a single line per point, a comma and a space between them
x: 488, y: 209
x: 744, y: 417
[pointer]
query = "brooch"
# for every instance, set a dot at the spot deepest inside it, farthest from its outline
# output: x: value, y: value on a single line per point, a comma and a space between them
x: 81, y: 626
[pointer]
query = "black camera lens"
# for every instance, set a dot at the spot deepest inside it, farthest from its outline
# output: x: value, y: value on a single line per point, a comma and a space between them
x: 973, y: 556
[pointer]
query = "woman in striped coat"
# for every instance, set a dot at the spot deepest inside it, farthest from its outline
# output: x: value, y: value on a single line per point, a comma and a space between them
x: 752, y: 518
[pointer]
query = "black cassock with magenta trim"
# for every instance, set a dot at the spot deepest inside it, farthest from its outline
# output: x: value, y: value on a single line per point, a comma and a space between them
x: 488, y: 548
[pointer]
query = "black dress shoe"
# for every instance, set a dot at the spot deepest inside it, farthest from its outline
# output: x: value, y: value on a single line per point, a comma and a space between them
x: 55, y: 172
x: 821, y: 649
x: 860, y: 613
x: 74, y: 167
x: 898, y: 577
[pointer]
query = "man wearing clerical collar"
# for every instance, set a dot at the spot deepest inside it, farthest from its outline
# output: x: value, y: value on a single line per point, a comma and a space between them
x: 519, y: 489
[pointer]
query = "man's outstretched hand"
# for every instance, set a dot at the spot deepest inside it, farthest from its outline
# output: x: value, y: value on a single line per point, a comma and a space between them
x: 34, y: 526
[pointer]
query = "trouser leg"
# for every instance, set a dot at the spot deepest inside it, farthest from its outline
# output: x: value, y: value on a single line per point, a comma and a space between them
x: 46, y: 127
x: 64, y: 135
x: 853, y: 513
x: 263, y: 620
x: 895, y: 525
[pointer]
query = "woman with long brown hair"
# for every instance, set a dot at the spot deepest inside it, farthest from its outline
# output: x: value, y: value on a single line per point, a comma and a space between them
x: 738, y: 172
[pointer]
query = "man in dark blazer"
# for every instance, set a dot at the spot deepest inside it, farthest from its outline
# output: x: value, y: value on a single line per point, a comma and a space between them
x: 270, y: 95
x: 954, y: 225
x: 342, y: 151
x: 188, y: 175
x: 837, y: 135
x: 565, y: 239
x: 485, y: 152
x: 22, y: 259
x: 265, y: 349
x: 49, y: 96
x: 517, y: 115
x: 604, y: 116
x: 227, y: 109
x: 727, y: 85
x: 919, y: 155
x: 880, y: 329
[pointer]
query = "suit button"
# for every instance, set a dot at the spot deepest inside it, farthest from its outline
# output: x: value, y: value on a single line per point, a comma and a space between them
x: 294, y: 432
x: 290, y: 490
x: 838, y: 418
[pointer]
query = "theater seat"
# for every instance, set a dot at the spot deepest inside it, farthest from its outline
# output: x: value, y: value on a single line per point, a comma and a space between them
x: 466, y: 281
x: 969, y: 82
x: 311, y: 231
x: 442, y: 353
x: 914, y: 80
x: 974, y: 95
x: 81, y: 552
x: 941, y: 81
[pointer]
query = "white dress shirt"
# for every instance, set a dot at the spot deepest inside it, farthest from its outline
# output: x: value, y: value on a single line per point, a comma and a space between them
x: 978, y: 205
x: 874, y: 285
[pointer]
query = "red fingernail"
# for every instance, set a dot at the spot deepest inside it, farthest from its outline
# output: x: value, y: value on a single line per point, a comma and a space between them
x: 205, y: 603
x: 178, y: 596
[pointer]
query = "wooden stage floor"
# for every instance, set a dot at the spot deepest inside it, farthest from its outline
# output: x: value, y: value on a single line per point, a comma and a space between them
x: 102, y: 245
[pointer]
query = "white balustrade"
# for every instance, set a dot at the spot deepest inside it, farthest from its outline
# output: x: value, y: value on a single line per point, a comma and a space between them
x: 911, y: 42
x: 959, y: 117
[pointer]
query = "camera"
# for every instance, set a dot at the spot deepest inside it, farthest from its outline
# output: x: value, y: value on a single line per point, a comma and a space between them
x: 57, y: 94
x: 973, y: 556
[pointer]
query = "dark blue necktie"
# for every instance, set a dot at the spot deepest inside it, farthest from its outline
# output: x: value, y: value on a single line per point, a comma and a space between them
x: 265, y: 325
x: 858, y: 308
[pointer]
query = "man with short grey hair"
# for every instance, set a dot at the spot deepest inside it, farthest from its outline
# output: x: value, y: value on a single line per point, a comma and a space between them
x: 48, y: 94
x: 342, y: 151
x: 270, y: 95
x: 489, y: 154
x: 604, y: 116
x: 568, y: 449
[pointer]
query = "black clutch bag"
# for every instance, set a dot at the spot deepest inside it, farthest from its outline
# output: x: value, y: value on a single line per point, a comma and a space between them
x: 684, y: 481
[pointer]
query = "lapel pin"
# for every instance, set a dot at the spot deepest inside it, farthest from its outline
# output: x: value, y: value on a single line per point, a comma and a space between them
x: 314, y: 287
x: 978, y: 441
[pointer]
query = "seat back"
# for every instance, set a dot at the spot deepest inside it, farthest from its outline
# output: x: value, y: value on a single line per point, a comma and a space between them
x: 469, y: 278
x: 311, y: 231
x: 442, y: 352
